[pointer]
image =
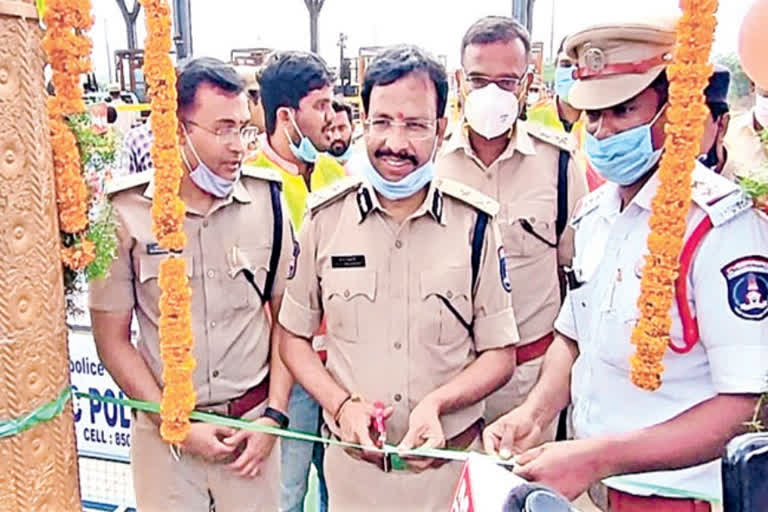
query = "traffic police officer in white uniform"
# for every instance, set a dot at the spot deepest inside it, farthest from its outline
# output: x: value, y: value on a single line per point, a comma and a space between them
x: 718, y: 359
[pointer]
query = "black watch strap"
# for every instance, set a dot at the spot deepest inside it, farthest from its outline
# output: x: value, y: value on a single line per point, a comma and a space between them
x: 273, y: 414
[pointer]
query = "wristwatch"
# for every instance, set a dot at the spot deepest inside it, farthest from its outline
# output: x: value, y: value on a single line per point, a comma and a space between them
x: 273, y: 414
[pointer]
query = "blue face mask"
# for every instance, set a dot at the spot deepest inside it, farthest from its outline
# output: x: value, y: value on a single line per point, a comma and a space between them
x: 564, y: 81
x: 205, y: 178
x: 626, y: 157
x: 305, y: 150
x: 395, y: 190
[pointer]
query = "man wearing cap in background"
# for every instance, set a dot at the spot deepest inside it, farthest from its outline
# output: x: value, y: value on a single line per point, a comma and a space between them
x: 745, y: 149
x: 250, y: 77
x: 528, y: 169
x: 671, y: 438
x: 713, y: 151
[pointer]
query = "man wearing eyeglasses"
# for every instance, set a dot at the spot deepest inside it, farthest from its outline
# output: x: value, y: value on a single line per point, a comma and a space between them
x: 235, y: 237
x: 410, y: 273
x: 528, y: 169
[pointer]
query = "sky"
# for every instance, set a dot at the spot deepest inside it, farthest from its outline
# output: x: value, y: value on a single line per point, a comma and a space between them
x: 437, y: 25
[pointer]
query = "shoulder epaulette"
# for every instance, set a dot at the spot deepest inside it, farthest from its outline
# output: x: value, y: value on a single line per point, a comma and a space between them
x: 127, y: 182
x: 323, y: 197
x: 559, y: 139
x: 588, y: 204
x: 469, y: 195
x: 720, y: 198
x: 262, y: 173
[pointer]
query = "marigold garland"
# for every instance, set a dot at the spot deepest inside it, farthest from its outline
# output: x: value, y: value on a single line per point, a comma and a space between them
x: 168, y: 211
x: 69, y: 52
x: 689, y: 74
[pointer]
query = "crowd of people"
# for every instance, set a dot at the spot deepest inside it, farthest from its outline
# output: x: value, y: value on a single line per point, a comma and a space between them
x: 470, y: 287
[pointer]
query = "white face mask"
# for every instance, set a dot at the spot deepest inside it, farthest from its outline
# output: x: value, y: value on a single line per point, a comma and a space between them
x: 761, y: 110
x: 533, y: 98
x: 491, y: 111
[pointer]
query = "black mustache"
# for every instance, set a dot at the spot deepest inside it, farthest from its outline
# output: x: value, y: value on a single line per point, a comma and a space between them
x: 381, y: 153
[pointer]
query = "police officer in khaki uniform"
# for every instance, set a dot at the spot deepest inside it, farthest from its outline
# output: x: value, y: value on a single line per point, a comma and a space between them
x: 231, y: 254
x: 410, y: 273
x: 528, y: 169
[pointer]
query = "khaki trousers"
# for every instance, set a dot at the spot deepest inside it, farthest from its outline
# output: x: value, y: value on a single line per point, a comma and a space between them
x: 163, y: 484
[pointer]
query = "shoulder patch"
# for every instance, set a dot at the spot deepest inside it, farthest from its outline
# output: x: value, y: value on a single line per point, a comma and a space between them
x: 330, y: 193
x: 588, y: 204
x: 721, y: 199
x: 262, y: 173
x: 747, y: 280
x: 128, y: 181
x: 468, y: 195
x: 559, y: 139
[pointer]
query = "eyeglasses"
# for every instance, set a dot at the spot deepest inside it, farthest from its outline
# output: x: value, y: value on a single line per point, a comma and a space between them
x: 416, y: 129
x: 246, y: 135
x: 510, y: 83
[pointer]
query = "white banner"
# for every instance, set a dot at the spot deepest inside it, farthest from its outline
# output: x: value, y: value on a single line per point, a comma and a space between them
x: 103, y: 430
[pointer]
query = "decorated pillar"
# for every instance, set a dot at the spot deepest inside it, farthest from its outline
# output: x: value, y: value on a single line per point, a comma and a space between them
x: 38, y: 459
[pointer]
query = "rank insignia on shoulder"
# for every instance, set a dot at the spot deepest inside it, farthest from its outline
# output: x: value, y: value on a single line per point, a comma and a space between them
x: 747, y: 280
x: 505, y: 282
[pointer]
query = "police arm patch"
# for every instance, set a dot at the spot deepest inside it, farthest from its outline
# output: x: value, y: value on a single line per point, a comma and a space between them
x: 747, y: 280
x: 503, y: 271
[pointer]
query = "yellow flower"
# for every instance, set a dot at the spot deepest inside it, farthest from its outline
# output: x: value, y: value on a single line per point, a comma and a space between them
x: 689, y: 74
x: 168, y: 212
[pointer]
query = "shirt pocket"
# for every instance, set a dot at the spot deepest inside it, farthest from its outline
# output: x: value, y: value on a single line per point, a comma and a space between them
x: 527, y: 236
x: 246, y: 271
x: 446, y: 305
x: 619, y: 315
x: 148, y: 288
x: 348, y: 299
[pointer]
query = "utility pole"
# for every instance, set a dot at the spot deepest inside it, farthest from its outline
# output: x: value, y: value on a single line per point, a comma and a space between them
x: 552, y: 55
x: 130, y: 17
x: 182, y: 37
x: 314, y: 7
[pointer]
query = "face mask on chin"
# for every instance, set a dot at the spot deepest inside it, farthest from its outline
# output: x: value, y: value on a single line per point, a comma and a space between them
x: 202, y: 176
x: 305, y: 150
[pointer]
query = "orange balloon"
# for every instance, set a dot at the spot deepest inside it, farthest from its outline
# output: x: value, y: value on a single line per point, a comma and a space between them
x: 753, y: 40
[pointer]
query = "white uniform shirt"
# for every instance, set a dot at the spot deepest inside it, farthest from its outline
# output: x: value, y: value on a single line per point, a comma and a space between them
x: 732, y: 354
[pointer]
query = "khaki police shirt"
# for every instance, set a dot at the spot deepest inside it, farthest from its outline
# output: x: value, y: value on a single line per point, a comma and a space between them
x: 745, y: 151
x: 230, y: 326
x: 380, y: 284
x: 524, y: 182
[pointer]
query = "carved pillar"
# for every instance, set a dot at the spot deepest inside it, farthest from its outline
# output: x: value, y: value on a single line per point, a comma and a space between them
x: 38, y: 468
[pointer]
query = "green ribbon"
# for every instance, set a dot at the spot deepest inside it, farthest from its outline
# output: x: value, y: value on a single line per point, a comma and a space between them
x: 396, y: 455
x: 45, y: 412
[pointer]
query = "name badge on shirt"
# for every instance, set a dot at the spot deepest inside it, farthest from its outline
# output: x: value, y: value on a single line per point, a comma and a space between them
x: 154, y: 249
x: 357, y: 261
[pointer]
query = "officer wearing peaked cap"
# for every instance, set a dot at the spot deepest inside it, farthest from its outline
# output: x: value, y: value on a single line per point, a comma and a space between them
x: 715, y: 367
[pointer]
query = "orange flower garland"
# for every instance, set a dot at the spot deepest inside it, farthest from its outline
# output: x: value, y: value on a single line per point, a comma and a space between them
x: 168, y: 211
x: 689, y: 74
x: 69, y: 52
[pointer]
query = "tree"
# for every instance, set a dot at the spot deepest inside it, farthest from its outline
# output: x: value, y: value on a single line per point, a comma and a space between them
x: 130, y: 18
x: 522, y: 10
x: 741, y: 85
x: 314, y: 7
